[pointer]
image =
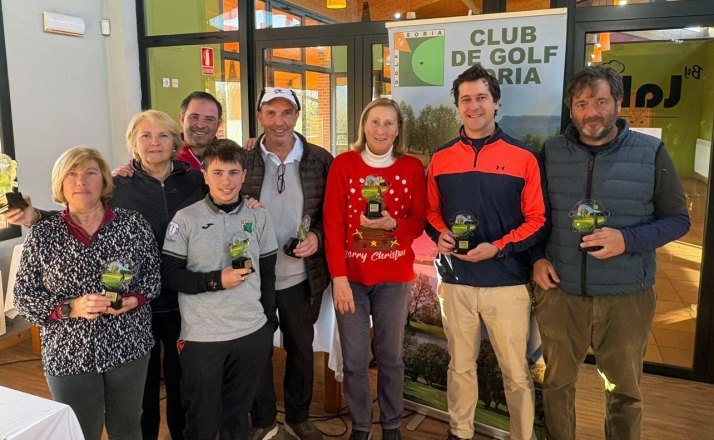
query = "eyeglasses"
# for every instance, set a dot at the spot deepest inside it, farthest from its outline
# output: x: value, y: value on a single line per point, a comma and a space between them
x: 205, y: 119
x: 281, y: 178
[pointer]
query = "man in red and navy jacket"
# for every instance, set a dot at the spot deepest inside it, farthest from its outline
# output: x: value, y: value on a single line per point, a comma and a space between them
x: 497, y: 180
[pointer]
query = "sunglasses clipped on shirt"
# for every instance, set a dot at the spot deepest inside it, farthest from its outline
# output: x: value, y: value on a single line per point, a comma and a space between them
x: 281, y: 178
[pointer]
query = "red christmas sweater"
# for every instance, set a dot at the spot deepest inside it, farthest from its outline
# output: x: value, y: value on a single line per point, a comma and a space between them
x: 373, y: 256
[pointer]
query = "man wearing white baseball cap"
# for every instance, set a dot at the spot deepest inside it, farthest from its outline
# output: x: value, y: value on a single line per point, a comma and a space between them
x: 288, y: 175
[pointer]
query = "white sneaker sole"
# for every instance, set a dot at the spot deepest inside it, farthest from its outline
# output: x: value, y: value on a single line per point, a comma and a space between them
x: 272, y: 433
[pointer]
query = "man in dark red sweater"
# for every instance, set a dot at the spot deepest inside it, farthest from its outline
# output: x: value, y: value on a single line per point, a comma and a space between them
x: 201, y: 117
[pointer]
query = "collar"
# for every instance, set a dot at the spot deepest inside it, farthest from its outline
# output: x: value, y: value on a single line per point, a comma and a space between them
x: 79, y: 233
x: 176, y: 167
x: 377, y: 161
x: 227, y: 209
x: 294, y: 155
x: 489, y: 139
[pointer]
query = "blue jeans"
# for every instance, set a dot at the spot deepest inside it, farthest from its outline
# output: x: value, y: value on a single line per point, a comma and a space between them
x: 114, y: 396
x: 387, y: 303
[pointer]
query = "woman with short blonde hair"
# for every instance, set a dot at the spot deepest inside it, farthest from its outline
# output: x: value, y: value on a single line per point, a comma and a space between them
x: 94, y: 347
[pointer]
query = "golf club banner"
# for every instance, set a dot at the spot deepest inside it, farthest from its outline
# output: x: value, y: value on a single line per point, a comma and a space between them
x: 526, y: 53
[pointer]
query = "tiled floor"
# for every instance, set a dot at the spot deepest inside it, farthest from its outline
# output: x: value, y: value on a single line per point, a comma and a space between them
x: 677, y: 287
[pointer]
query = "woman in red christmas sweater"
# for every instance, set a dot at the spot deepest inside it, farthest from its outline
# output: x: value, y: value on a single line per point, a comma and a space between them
x: 375, y: 206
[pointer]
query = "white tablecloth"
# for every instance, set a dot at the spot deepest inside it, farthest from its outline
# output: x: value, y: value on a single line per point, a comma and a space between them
x: 326, y: 336
x: 27, y: 417
x: 327, y: 339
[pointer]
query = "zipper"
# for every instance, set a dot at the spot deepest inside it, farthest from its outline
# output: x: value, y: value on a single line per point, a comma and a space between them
x: 583, y: 264
x: 166, y: 202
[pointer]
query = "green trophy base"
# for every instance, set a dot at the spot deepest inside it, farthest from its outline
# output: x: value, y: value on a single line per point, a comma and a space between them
x: 374, y: 210
x: 12, y: 200
x: 462, y: 246
x: 290, y: 246
x: 115, y: 298
x: 242, y: 263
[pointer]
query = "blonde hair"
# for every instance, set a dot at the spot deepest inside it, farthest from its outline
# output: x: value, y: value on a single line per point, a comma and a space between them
x: 161, y: 120
x: 399, y: 145
x: 70, y: 160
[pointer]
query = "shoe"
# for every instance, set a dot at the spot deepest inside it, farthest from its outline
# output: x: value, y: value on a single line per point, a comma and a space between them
x: 264, y: 433
x: 303, y: 430
x: 451, y: 436
x: 391, y: 434
x: 360, y: 435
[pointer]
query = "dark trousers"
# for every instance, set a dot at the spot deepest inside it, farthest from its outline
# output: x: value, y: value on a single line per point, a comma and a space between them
x: 297, y: 317
x: 387, y: 303
x: 112, y: 397
x: 218, y: 384
x: 166, y: 327
x: 617, y: 328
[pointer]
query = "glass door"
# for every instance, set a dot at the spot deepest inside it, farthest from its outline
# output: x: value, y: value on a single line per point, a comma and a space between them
x: 318, y: 73
x: 668, y: 95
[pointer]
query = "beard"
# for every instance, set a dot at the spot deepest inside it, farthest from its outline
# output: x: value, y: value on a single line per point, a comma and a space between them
x: 606, y: 127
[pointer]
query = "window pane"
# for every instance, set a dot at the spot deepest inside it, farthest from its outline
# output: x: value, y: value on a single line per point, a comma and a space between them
x: 272, y: 13
x: 674, y: 100
x: 381, y: 72
x: 321, y: 85
x: 175, y: 72
x: 169, y: 17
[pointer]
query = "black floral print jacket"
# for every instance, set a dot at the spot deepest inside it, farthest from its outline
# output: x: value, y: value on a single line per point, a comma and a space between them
x: 55, y: 266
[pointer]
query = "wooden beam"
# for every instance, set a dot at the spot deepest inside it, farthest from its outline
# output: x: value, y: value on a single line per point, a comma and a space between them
x: 471, y: 4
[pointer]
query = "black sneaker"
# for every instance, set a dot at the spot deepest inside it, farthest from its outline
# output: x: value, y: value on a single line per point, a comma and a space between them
x: 360, y: 435
x: 391, y: 434
x: 451, y: 436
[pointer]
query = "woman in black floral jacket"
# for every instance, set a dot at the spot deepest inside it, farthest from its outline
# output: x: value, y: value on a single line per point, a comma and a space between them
x: 95, y: 352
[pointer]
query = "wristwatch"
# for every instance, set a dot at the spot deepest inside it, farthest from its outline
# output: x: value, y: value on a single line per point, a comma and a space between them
x: 66, y: 309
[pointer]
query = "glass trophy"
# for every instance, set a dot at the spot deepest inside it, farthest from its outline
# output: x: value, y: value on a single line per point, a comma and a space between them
x: 8, y: 172
x: 588, y: 215
x: 463, y: 225
x: 115, y: 278
x: 302, y: 231
x: 239, y: 252
x: 373, y: 191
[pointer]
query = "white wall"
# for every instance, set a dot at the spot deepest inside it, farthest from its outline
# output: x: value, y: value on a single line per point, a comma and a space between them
x: 67, y: 91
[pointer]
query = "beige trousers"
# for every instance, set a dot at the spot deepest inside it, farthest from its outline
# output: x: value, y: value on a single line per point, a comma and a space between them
x: 506, y: 313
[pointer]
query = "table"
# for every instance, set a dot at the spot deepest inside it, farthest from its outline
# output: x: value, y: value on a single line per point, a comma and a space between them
x: 27, y: 417
x: 10, y: 310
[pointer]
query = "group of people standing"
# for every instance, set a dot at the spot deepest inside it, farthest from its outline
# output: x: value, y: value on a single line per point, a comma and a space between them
x: 194, y: 195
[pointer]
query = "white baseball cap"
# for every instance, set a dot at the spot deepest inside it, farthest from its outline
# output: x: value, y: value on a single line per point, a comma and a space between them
x: 270, y: 93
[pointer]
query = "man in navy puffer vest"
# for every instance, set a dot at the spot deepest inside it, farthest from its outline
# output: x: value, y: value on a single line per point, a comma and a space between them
x: 596, y: 290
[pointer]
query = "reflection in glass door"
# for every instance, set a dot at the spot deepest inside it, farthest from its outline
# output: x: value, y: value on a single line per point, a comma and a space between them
x: 318, y: 76
x: 668, y: 95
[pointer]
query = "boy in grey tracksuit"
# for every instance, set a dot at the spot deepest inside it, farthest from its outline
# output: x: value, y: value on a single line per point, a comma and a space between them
x: 227, y: 315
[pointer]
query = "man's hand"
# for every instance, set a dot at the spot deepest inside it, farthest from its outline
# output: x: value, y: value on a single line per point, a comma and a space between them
x: 23, y: 217
x: 250, y: 144
x: 446, y: 243
x: 611, y: 240
x: 252, y: 202
x: 342, y: 295
x: 127, y: 303
x: 544, y: 274
x: 308, y: 246
x: 123, y: 171
x: 385, y: 222
x: 484, y: 251
x: 231, y: 278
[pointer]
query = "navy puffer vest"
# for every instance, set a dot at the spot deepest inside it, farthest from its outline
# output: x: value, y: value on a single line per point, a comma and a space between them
x: 622, y: 179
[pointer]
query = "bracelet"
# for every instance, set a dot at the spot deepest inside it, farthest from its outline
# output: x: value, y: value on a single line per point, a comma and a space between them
x: 396, y: 224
